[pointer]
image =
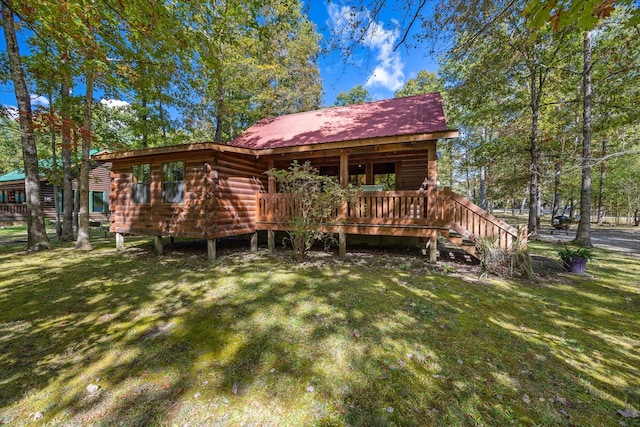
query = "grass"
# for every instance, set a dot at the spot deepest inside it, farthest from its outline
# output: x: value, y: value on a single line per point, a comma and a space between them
x: 373, y: 340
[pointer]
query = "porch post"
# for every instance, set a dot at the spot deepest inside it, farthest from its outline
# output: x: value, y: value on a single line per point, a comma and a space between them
x: 432, y: 190
x: 211, y: 250
x: 344, y: 169
x: 119, y: 242
x: 368, y: 170
x: 342, y: 214
x: 157, y: 245
x: 271, y: 188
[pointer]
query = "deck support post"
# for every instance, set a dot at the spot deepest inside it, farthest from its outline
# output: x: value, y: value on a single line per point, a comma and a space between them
x: 433, y: 247
x: 119, y: 242
x: 254, y: 242
x: 271, y: 240
x: 342, y: 244
x: 211, y: 250
x: 157, y: 245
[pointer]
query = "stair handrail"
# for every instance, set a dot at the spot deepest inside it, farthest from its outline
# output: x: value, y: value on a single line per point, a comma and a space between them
x: 517, y: 235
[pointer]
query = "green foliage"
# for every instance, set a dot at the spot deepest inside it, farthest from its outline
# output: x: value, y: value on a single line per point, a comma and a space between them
x: 424, y: 82
x: 568, y: 252
x: 582, y: 14
x: 357, y: 95
x: 10, y: 147
x: 314, y: 201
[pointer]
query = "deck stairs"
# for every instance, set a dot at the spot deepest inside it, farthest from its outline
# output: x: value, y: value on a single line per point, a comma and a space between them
x: 467, y: 245
x: 466, y: 224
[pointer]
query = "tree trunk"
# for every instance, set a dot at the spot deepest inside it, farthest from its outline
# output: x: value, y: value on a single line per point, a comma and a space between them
x: 56, y: 174
x: 556, y: 190
x: 84, y: 239
x: 67, y: 176
x: 583, y: 236
x: 483, y: 188
x: 601, y: 187
x: 36, y: 232
x: 534, y: 166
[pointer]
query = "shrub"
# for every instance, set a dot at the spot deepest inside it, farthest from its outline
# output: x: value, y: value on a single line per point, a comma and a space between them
x: 514, y: 262
x: 315, y: 198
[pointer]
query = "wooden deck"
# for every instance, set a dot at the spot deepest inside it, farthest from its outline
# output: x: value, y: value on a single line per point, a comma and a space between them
x: 12, y: 212
x: 400, y: 213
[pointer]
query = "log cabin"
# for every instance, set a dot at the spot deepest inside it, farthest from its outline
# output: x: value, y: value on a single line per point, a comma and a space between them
x: 13, y: 207
x: 385, y: 148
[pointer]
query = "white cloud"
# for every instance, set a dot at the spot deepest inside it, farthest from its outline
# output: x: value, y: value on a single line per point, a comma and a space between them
x: 114, y: 103
x: 10, y: 112
x: 357, y: 27
x: 39, y: 100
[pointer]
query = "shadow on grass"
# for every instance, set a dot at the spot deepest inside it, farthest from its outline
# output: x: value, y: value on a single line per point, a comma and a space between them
x: 258, y: 339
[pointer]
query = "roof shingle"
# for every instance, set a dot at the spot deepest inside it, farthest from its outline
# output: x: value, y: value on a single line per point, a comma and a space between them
x: 392, y: 117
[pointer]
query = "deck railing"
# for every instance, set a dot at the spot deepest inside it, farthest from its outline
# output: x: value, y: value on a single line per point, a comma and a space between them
x: 475, y: 223
x: 446, y: 210
x: 372, y: 207
x: 13, y: 210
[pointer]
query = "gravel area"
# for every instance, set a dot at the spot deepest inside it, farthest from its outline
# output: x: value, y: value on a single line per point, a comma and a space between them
x: 616, y: 239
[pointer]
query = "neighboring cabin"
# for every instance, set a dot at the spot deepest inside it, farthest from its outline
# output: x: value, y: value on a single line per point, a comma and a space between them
x: 13, y: 207
x: 213, y: 190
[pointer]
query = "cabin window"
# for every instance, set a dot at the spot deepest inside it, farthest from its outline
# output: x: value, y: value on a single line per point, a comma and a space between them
x: 173, y: 182
x: 97, y: 202
x: 140, y: 180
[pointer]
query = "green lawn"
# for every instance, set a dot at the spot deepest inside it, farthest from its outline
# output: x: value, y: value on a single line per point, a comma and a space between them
x: 376, y: 339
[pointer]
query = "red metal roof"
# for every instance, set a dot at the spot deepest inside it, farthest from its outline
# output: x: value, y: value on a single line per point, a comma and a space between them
x: 392, y: 117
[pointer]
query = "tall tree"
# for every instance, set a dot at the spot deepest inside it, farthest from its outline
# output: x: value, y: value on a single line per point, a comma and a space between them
x: 424, y: 82
x: 583, y: 236
x: 356, y: 95
x: 36, y: 235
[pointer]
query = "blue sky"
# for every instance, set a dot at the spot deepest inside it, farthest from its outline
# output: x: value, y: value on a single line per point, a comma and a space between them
x: 374, y: 63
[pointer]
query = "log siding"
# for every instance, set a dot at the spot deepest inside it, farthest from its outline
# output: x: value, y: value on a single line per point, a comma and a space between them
x: 219, y: 196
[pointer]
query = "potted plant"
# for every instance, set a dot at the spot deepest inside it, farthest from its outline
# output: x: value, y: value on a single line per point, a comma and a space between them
x: 574, y: 259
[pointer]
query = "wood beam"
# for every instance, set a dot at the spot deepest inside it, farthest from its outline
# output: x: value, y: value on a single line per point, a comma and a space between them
x: 119, y: 242
x: 271, y: 240
x: 157, y: 245
x: 211, y: 250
